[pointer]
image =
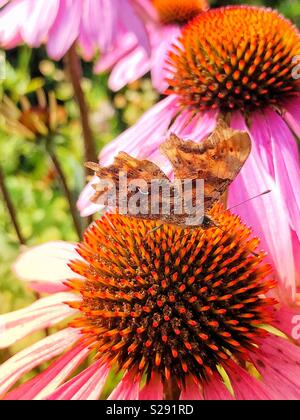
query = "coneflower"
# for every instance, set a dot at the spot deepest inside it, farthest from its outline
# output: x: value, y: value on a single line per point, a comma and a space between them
x: 59, y: 24
x: 128, y: 61
x: 180, y: 313
x: 238, y: 61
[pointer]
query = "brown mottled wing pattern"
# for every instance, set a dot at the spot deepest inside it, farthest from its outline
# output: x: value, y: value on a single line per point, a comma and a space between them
x: 218, y: 159
x: 135, y: 169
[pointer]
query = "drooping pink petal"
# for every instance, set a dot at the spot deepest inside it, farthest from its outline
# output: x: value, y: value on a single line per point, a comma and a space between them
x: 245, y: 386
x: 90, y: 30
x: 108, y: 60
x: 3, y: 2
x: 151, y: 127
x: 65, y: 29
x: 14, y: 368
x: 11, y: 21
x: 296, y: 252
x: 188, y: 127
x: 292, y: 114
x: 277, y: 360
x: 84, y: 203
x: 198, y: 128
x: 162, y: 38
x: 149, y: 131
x: 215, y: 389
x: 286, y: 160
x: 129, y: 69
x: 260, y: 135
x: 133, y: 23
x: 127, y: 389
x: 44, y: 313
x: 146, y: 9
x: 86, y: 386
x: 287, y: 320
x: 192, y: 391
x: 39, y: 20
x: 152, y: 390
x: 47, y: 382
x: 110, y: 27
x: 252, y: 181
x: 45, y: 267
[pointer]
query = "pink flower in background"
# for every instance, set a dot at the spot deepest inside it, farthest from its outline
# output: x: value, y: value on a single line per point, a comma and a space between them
x: 128, y: 60
x: 245, y: 73
x: 93, y: 24
x: 149, y: 324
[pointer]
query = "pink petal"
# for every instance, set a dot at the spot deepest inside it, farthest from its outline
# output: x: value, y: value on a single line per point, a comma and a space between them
x: 127, y: 389
x: 162, y: 40
x: 40, y: 18
x: 47, y: 382
x: 88, y: 385
x: 11, y: 20
x: 3, y: 2
x: 296, y: 252
x: 148, y: 130
x: 111, y: 27
x: 215, y: 389
x: 90, y: 30
x: 287, y: 320
x: 198, y: 127
x: 187, y: 126
x: 46, y: 349
x: 153, y: 390
x: 46, y: 266
x: 192, y: 391
x: 129, y: 69
x: 44, y: 313
x: 147, y: 133
x: 245, y: 386
x: 252, y: 181
x: 260, y: 135
x: 146, y: 9
x: 286, y: 165
x: 278, y: 362
x: 292, y: 114
x: 134, y: 24
x: 108, y: 60
x: 65, y: 29
x: 84, y: 203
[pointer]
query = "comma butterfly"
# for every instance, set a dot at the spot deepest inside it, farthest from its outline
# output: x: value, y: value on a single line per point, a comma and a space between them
x: 217, y: 160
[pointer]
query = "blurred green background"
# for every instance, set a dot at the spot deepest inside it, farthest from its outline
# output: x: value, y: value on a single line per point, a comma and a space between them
x: 42, y: 209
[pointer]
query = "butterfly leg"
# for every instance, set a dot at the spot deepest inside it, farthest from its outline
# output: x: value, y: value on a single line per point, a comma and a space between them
x: 155, y: 229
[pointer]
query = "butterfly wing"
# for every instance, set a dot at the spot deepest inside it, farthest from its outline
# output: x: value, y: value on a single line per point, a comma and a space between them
x: 217, y: 160
x: 112, y: 180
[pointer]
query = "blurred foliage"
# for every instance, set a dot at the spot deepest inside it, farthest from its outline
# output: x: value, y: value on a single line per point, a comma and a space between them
x: 42, y: 209
x: 290, y: 8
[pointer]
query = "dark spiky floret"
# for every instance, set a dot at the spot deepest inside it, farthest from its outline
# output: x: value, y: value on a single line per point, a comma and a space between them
x: 178, y: 11
x: 237, y: 57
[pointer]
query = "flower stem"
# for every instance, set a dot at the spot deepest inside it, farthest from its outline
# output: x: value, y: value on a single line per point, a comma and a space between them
x: 171, y: 390
x: 11, y: 208
x: 74, y: 70
x: 67, y: 192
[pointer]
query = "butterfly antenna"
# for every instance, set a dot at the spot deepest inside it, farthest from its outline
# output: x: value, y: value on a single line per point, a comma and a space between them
x: 249, y: 199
